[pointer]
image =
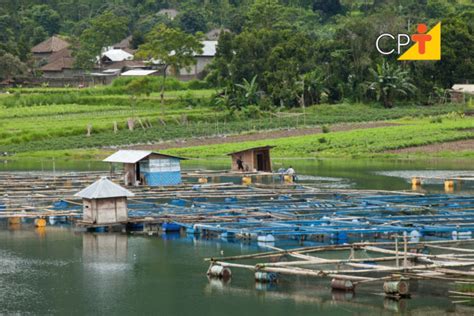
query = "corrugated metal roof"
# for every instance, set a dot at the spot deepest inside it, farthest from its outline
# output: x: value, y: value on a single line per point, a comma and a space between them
x: 128, y: 156
x: 139, y: 72
x: 208, y: 49
x: 117, y: 55
x: 466, y: 88
x: 134, y: 156
x: 103, y: 189
x: 253, y: 148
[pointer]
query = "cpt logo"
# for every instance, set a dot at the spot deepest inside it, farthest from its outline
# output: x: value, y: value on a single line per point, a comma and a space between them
x: 427, y: 45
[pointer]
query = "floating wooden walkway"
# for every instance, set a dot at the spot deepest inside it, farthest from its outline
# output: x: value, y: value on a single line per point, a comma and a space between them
x: 390, y: 263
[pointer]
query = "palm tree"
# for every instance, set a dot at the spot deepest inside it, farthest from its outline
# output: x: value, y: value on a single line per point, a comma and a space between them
x: 389, y: 82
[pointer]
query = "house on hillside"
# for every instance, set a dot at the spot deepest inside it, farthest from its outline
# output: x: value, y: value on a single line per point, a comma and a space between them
x: 45, y: 49
x: 202, y: 60
x: 148, y: 168
x: 113, y: 63
x: 460, y: 93
x: 125, y: 44
x: 112, y: 56
x: 170, y: 13
x: 214, y: 34
x: 252, y: 159
x: 141, y: 73
x: 60, y: 65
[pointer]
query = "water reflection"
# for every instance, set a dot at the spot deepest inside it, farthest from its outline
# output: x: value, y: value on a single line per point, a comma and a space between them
x: 105, y: 253
x: 106, y: 266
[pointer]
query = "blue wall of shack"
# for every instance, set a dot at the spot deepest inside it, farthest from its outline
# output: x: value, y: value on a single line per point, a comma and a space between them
x: 161, y: 172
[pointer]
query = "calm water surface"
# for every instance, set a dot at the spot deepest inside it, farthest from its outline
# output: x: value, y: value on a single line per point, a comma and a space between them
x: 59, y: 271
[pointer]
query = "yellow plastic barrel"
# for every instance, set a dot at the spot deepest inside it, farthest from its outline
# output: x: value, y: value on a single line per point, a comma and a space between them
x: 288, y: 178
x: 202, y: 180
x: 448, y: 185
x: 246, y: 180
x: 14, y: 220
x: 415, y: 181
x: 40, y: 222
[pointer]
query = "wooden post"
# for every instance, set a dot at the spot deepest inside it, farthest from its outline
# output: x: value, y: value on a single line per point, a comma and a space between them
x: 396, y: 252
x: 89, y: 130
x: 115, y: 127
x: 148, y: 123
x: 141, y: 124
x: 54, y: 170
x: 352, y: 255
x: 131, y: 124
x: 405, y: 250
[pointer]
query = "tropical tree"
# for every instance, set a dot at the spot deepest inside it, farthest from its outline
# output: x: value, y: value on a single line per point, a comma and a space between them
x: 328, y: 8
x: 314, y: 85
x: 105, y: 30
x: 390, y: 82
x: 193, y: 20
x: 46, y: 17
x: 249, y: 90
x: 10, y: 66
x: 170, y: 47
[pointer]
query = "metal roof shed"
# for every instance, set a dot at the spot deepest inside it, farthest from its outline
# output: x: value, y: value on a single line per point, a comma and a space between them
x: 104, y: 202
x: 252, y: 159
x: 140, y: 73
x: 148, y: 167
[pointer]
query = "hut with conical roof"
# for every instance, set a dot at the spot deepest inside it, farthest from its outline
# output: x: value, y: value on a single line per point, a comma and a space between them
x: 104, y: 202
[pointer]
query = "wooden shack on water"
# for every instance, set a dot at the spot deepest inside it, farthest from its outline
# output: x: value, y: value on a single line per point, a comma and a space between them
x: 252, y: 159
x: 148, y: 168
x: 104, y: 202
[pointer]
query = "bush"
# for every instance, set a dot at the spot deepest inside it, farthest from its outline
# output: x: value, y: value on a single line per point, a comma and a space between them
x: 436, y: 120
x: 198, y: 85
x: 322, y: 140
x: 325, y: 129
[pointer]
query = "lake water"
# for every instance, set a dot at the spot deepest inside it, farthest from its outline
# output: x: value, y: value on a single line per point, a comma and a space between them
x: 59, y: 271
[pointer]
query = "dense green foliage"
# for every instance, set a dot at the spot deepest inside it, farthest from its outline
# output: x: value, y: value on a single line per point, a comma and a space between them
x: 283, y: 44
x: 173, y: 48
x: 103, y: 31
x: 283, y: 47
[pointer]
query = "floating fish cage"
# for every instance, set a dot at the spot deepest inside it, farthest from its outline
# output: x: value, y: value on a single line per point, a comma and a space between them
x: 260, y: 213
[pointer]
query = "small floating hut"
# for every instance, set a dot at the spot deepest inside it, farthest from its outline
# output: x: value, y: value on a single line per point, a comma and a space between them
x: 253, y: 159
x: 148, y: 168
x: 104, y: 202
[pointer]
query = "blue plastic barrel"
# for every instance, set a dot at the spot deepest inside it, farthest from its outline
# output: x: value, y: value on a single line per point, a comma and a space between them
x: 178, y: 202
x: 60, y: 205
x: 170, y: 227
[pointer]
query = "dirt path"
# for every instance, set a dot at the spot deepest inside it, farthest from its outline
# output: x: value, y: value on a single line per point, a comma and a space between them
x: 257, y: 136
x: 458, y: 145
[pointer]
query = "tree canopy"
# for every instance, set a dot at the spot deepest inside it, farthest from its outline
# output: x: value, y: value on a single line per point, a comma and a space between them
x: 326, y: 46
x: 170, y: 48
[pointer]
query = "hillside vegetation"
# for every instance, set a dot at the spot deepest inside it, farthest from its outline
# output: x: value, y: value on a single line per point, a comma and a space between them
x: 57, y: 119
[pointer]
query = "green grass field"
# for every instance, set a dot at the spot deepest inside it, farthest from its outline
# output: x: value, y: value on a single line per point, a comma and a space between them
x: 355, y: 143
x: 53, y: 122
